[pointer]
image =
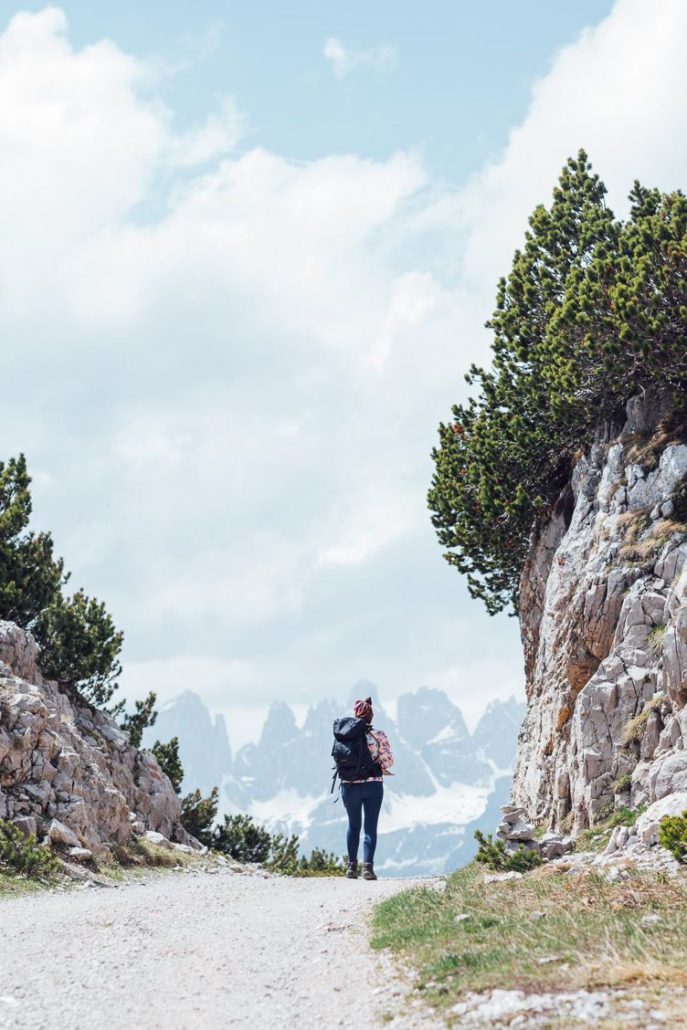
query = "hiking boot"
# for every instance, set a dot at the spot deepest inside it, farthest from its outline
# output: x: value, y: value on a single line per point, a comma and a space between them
x: 352, y: 871
x: 368, y: 871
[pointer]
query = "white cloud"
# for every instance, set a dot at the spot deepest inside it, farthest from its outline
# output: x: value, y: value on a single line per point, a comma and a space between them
x: 617, y: 92
x: 228, y: 387
x: 344, y: 60
x: 219, y: 135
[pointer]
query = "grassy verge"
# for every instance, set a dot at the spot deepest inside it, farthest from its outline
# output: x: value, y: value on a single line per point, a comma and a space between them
x: 546, y: 931
x: 132, y: 861
x: 13, y: 885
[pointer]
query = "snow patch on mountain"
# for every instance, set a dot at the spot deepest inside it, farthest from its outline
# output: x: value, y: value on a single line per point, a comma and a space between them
x: 460, y: 803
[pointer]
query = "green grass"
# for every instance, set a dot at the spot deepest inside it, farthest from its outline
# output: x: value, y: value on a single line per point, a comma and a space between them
x: 598, y: 836
x: 13, y: 886
x: 587, y: 931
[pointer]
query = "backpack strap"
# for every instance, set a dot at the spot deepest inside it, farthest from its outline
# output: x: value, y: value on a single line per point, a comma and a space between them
x: 336, y: 773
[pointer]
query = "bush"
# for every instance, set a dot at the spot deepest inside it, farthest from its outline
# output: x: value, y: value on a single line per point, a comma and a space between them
x: 80, y: 647
x: 593, y: 312
x: 167, y: 757
x: 22, y: 854
x: 283, y: 857
x: 321, y: 863
x: 495, y: 855
x: 143, y: 716
x: 242, y: 839
x: 199, y: 813
x: 672, y: 835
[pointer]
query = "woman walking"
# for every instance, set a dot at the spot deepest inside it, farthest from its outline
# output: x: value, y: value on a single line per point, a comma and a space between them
x: 369, y: 760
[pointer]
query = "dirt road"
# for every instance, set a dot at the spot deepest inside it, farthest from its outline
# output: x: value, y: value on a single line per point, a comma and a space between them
x: 198, y: 950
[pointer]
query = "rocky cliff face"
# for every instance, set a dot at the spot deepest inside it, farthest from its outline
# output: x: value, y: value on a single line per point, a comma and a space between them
x: 68, y: 772
x: 604, y: 627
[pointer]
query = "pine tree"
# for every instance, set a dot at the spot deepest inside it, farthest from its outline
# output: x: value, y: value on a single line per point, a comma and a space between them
x: 79, y: 643
x: 592, y: 311
x: 167, y: 757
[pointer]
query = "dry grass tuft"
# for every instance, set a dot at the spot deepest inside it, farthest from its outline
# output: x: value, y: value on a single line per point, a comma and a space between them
x: 563, y: 717
x: 140, y: 852
x: 636, y: 549
x: 646, y: 451
x: 635, y: 728
x: 633, y: 522
x: 643, y: 454
x: 656, y: 638
x: 667, y: 527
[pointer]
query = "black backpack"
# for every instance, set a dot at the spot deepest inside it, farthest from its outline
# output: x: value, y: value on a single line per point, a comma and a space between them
x: 352, y: 759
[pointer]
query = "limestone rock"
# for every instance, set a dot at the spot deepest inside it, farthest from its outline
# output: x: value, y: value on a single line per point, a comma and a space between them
x: 520, y: 831
x: 648, y: 823
x: 515, y: 831
x: 158, y: 839
x: 553, y: 845
x: 68, y: 771
x: 80, y: 854
x: 26, y: 824
x: 603, y: 610
x: 61, y: 835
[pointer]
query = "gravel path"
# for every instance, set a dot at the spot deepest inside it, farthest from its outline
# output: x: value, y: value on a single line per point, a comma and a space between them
x: 199, y: 950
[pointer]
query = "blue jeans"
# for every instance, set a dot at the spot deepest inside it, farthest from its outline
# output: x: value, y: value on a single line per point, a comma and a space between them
x: 358, y: 798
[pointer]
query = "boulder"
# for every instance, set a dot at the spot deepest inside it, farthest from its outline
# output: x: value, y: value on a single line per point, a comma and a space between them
x: 62, y: 836
x: 26, y: 824
x: 668, y: 775
x: 648, y: 823
x: 80, y: 854
x: 158, y: 840
x: 520, y: 831
x: 553, y: 845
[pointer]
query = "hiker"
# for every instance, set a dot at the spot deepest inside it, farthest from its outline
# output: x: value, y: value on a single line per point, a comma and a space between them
x: 363, y: 758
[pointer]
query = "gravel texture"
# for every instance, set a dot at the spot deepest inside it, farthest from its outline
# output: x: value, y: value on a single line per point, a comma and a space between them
x: 199, y: 950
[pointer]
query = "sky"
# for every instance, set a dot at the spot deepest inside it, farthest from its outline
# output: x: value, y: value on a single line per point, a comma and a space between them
x: 247, y: 255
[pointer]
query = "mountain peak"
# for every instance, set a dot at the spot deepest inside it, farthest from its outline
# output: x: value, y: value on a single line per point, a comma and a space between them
x: 428, y: 712
x: 279, y: 725
x: 361, y: 690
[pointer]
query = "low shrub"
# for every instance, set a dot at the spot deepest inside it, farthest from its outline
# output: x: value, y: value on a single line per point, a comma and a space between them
x: 245, y: 841
x: 199, y: 813
x: 321, y: 863
x: 20, y: 854
x: 283, y: 854
x: 672, y: 835
x: 495, y: 855
x: 143, y: 716
x: 242, y: 839
x: 167, y: 757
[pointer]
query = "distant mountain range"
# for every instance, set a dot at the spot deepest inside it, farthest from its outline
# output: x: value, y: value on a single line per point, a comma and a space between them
x: 447, y: 782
